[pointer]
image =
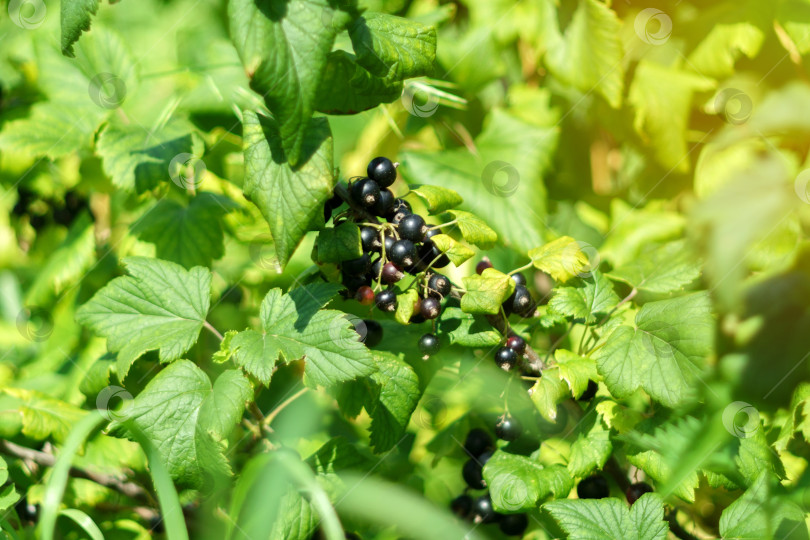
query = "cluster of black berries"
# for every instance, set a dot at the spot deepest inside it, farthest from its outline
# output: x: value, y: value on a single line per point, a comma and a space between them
x: 479, y: 446
x: 39, y: 210
x: 391, y: 248
x: 596, y: 487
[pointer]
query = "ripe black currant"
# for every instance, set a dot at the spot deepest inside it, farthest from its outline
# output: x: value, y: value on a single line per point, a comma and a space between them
x: 513, y: 524
x: 360, y: 265
x: 365, y: 295
x: 382, y: 171
x: 506, y: 358
x: 386, y: 300
x: 403, y: 253
x: 482, y: 265
x: 365, y: 192
x: 517, y: 344
x: 521, y: 301
x: 400, y: 210
x: 589, y: 392
x: 477, y: 442
x: 635, y: 491
x: 508, y: 428
x: 482, y: 510
x: 391, y: 273
x: 438, y: 286
x: 428, y: 253
x: 519, y: 279
x: 354, y: 281
x: 473, y: 474
x: 370, y: 239
x: 430, y: 308
x: 593, y: 487
x: 461, y: 506
x: 388, y: 240
x: 384, y: 204
x: 429, y: 344
x: 373, y: 333
x: 412, y: 227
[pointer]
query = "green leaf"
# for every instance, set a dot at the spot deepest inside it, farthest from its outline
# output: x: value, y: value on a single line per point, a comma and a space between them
x: 186, y: 418
x: 160, y: 305
x: 763, y: 512
x: 456, y: 252
x: 189, y: 235
x: 474, y: 229
x: 590, y: 299
x: 794, y: 16
x: 503, y: 181
x: 338, y: 244
x: 294, y: 326
x: 575, y: 370
x: 290, y: 199
x: 656, y: 467
x: 8, y: 495
x: 43, y: 416
x: 592, y: 446
x: 562, y: 258
x: 589, y: 55
x: 633, y: 228
x: 405, y: 306
x: 284, y: 48
x: 664, y: 353
x: 393, y: 47
x: 76, y: 16
x: 138, y: 159
x: 547, y: 392
x: 733, y: 33
x: 486, y: 293
x: 225, y: 349
x: 393, y: 401
x: 347, y: 88
x: 519, y: 483
x: 598, y: 519
x: 437, y: 199
x: 660, y: 268
x: 467, y: 329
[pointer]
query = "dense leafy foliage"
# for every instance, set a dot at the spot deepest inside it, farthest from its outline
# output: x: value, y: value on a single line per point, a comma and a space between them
x: 303, y: 269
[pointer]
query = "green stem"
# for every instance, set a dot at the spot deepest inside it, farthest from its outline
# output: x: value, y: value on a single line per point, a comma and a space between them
x: 521, y: 269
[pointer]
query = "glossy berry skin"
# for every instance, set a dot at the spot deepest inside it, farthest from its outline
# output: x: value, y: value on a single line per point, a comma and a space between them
x: 461, y: 506
x: 360, y: 265
x: 508, y: 429
x: 429, y: 253
x: 382, y: 171
x: 438, y: 286
x: 517, y: 344
x: 399, y: 211
x: 391, y: 273
x: 473, y: 474
x: 370, y: 239
x: 589, y: 392
x: 513, y: 524
x: 482, y: 510
x: 389, y: 243
x: 412, y: 227
x: 635, y: 491
x: 428, y: 344
x: 593, y: 487
x: 482, y: 265
x: 386, y: 300
x: 430, y: 308
x: 403, y: 253
x: 519, y: 279
x: 354, y: 281
x: 521, y: 301
x: 365, y: 295
x: 384, y: 204
x: 365, y: 192
x: 477, y: 442
x: 373, y: 333
x: 506, y: 358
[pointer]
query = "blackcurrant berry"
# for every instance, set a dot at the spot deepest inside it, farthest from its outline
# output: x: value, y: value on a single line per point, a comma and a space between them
x: 513, y: 524
x: 373, y: 333
x: 365, y: 192
x: 477, y: 442
x: 473, y: 474
x: 508, y: 429
x: 370, y: 239
x: 376, y: 267
x: 519, y: 279
x: 429, y: 253
x: 360, y: 265
x: 354, y: 281
x: 382, y: 171
x: 482, y: 265
x: 384, y: 204
x: 461, y: 506
x: 635, y: 491
x: 412, y: 227
x: 389, y: 243
x: 386, y: 300
x: 483, y: 458
x: 391, y: 273
x: 365, y: 295
x: 482, y: 510
x: 521, y: 301
x: 417, y: 318
x: 428, y: 344
x: 589, y: 392
x: 517, y: 344
x: 431, y: 233
x: 400, y: 210
x: 506, y: 358
x: 403, y: 253
x: 593, y: 487
x: 430, y: 308
x: 438, y: 286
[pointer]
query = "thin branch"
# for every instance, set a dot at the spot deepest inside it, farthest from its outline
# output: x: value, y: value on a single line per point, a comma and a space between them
x: 281, y: 406
x: 677, y: 529
x: 213, y: 330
